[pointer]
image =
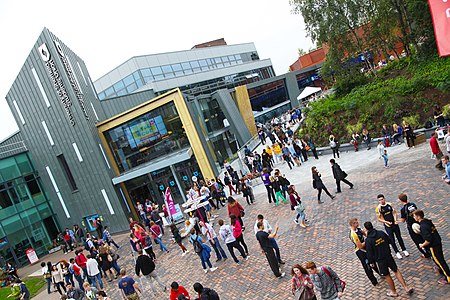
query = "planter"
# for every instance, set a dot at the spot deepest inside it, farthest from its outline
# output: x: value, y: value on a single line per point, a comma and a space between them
x: 53, y: 250
x: 420, y: 138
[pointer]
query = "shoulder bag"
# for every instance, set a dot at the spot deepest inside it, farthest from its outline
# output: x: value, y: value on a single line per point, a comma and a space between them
x: 342, y: 282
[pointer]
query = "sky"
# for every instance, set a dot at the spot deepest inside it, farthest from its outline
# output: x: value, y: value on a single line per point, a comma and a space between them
x: 107, y: 33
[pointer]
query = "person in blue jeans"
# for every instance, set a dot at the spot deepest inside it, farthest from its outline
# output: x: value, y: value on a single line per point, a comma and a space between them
x: 208, y: 231
x: 46, y: 272
x: 94, y: 272
x: 156, y: 234
x: 204, y: 253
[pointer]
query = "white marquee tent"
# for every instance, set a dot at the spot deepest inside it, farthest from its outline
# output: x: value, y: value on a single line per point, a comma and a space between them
x: 308, y: 91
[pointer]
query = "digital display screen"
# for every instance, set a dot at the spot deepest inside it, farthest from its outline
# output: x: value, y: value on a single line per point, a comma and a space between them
x: 145, y: 131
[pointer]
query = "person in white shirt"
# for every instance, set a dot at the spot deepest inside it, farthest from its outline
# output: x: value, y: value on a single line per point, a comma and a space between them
x: 268, y: 229
x: 226, y: 235
x: 447, y: 140
x: 380, y: 149
x: 208, y: 231
x: 94, y: 272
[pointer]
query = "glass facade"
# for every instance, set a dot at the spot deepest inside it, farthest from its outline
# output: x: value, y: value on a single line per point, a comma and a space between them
x: 145, y: 75
x: 146, y: 137
x: 309, y: 79
x: 268, y: 95
x: 26, y: 217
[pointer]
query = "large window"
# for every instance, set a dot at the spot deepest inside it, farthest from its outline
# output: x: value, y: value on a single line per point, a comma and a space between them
x: 268, y: 95
x: 67, y: 172
x: 147, y: 137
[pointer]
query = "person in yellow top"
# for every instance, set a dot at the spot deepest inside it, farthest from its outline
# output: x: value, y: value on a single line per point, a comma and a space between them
x: 387, y: 215
x: 357, y: 236
x: 276, y: 149
x: 269, y: 150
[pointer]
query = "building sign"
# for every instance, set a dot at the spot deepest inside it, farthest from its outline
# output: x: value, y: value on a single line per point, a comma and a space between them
x: 58, y: 83
x: 440, y: 13
x: 72, y: 79
x: 32, y: 256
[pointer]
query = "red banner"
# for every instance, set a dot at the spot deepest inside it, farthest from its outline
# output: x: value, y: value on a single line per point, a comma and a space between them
x: 440, y: 12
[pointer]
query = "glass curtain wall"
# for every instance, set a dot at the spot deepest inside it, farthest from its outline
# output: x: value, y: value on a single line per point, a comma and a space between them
x: 26, y: 218
x: 149, y: 136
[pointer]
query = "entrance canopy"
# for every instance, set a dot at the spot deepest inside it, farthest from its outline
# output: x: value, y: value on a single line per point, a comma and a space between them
x: 308, y: 91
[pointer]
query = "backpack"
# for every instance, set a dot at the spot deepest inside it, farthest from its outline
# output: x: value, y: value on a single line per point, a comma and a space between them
x: 197, y: 245
x: 211, y: 294
x: 333, y: 144
x: 148, y: 241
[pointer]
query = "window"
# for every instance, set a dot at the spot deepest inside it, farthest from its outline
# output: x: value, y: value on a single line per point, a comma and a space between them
x: 195, y: 65
x: 119, y: 86
x: 177, y: 69
x: 167, y: 70
x: 5, y: 200
x: 67, y: 172
x: 128, y: 80
x: 204, y: 64
x: 186, y: 67
x: 109, y: 91
x: 32, y: 184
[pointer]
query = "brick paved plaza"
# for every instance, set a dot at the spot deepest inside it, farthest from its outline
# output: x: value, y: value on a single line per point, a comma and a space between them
x: 326, y: 241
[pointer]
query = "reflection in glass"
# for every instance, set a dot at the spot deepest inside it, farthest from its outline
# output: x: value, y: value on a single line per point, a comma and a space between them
x: 149, y: 136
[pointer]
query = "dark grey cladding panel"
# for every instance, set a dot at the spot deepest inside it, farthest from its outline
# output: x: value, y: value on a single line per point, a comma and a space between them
x: 231, y: 111
x: 118, y: 105
x: 92, y: 174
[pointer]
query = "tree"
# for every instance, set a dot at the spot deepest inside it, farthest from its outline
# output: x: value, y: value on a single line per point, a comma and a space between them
x: 301, y: 52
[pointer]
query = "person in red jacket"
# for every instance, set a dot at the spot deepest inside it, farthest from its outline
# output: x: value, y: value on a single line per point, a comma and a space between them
x: 234, y: 208
x: 176, y: 289
x: 436, y: 150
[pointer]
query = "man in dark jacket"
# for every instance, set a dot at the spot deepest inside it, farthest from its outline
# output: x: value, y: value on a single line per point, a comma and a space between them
x: 433, y: 240
x: 205, y: 293
x: 379, y: 253
x: 339, y: 175
x: 145, y: 264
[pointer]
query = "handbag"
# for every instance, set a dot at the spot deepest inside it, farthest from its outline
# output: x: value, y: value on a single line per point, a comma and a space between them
x: 242, y: 213
x: 300, y: 294
x: 299, y: 208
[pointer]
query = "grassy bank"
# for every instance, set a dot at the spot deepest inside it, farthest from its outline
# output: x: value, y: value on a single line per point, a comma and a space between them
x: 404, y: 88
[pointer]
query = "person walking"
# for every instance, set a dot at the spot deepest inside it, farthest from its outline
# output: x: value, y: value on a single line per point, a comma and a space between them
x: 177, y: 238
x: 128, y: 286
x: 436, y: 150
x: 409, y: 134
x: 434, y: 241
x: 203, y: 251
x: 205, y: 293
x: 58, y: 279
x: 235, y: 208
x: 176, y: 290
x: 157, y: 235
x: 77, y: 272
x: 287, y: 157
x: 334, y: 146
x: 93, y: 272
x: 226, y: 235
x: 296, y: 204
x: 268, y: 229
x: 265, y: 176
x: 98, y: 226
x: 379, y: 253
x: 312, y: 146
x: 319, y: 185
x: 247, y: 190
x: 387, y: 215
x: 147, y: 244
x: 278, y: 189
x: 326, y: 281
x: 108, y: 238
x: 106, y: 261
x: 237, y: 232
x: 302, y: 286
x: 267, y: 248
x: 227, y: 181
x: 146, y: 265
x: 208, y: 231
x: 357, y: 237
x: 339, y: 176
x: 406, y: 215
x: 46, y: 270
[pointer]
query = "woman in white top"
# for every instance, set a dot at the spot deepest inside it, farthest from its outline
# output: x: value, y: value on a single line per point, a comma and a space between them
x: 58, y: 279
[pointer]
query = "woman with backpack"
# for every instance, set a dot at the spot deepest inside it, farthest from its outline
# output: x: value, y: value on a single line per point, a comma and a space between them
x: 68, y: 276
x: 202, y: 250
x: 334, y: 146
x: 319, y: 185
x: 147, y: 245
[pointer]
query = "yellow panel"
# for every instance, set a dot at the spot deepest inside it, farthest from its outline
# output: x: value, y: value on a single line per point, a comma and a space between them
x: 245, y: 108
x: 186, y: 119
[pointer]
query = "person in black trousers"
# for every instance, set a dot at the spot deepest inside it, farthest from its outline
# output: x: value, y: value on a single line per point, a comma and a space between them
x: 267, y: 248
x: 433, y: 240
x: 318, y: 184
x: 339, y: 175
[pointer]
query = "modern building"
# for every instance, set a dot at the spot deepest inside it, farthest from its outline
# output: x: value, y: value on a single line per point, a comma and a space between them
x: 27, y: 218
x: 155, y: 121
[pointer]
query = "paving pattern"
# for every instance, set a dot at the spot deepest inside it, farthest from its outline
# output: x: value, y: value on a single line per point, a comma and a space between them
x: 326, y: 241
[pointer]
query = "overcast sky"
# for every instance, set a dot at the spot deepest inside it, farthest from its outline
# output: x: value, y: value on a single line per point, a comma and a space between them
x: 107, y: 33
